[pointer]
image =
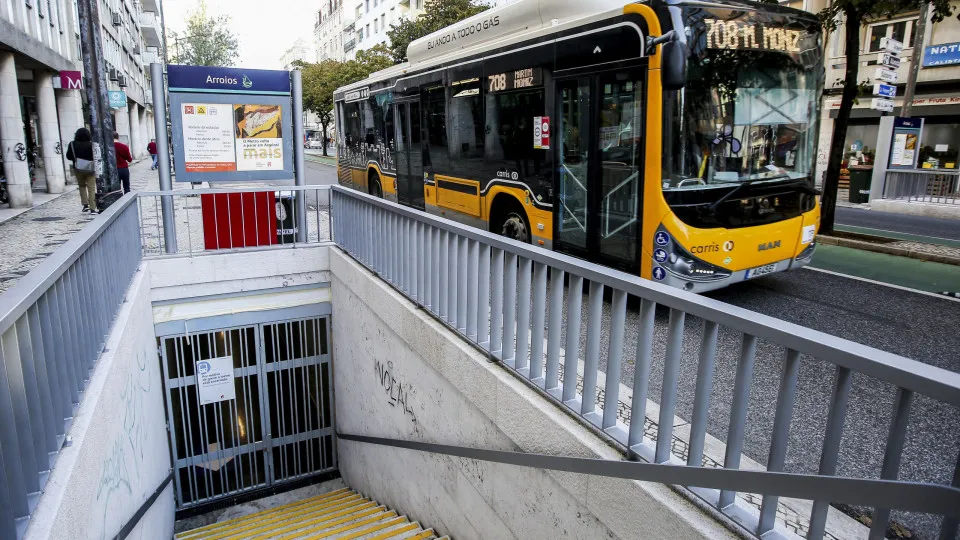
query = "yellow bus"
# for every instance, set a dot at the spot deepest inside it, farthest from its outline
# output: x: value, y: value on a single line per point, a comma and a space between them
x: 674, y: 140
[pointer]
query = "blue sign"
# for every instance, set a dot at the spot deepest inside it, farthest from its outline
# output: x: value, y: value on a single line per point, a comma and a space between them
x: 912, y: 123
x: 660, y: 255
x: 886, y: 90
x: 661, y: 238
x: 659, y: 273
x: 946, y: 54
x: 203, y: 367
x: 117, y: 98
x: 227, y: 80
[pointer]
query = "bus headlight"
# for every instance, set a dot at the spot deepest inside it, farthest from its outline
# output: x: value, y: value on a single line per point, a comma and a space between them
x: 807, y: 253
x: 685, y: 265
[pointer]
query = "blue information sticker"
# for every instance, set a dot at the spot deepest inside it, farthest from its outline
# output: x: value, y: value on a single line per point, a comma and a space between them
x: 203, y: 367
x: 659, y: 273
x: 660, y: 255
x: 661, y: 238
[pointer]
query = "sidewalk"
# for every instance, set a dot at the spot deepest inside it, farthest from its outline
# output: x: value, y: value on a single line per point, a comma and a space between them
x: 317, y: 156
x: 30, y: 236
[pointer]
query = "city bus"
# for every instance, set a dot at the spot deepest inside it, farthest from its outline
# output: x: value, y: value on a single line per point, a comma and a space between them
x: 674, y: 140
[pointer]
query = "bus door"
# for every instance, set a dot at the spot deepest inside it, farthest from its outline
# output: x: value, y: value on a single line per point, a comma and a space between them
x: 597, y: 213
x: 409, y: 155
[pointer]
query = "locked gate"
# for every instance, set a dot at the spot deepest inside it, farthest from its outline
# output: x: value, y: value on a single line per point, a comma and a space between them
x: 276, y: 425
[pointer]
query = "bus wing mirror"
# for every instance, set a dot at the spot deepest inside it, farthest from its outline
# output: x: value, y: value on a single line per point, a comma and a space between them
x: 673, y: 62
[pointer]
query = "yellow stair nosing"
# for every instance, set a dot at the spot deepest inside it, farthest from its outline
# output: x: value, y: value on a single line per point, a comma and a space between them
x: 423, y: 535
x: 338, y: 494
x: 376, y: 527
x: 355, y: 515
x: 404, y: 528
x: 354, y: 525
x: 298, y: 517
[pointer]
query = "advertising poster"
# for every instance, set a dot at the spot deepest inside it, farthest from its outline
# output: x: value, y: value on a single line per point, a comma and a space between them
x: 899, y: 146
x: 259, y: 137
x: 909, y: 150
x: 208, y: 140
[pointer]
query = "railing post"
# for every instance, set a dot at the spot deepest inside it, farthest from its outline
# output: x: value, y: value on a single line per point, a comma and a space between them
x: 163, y: 150
x: 298, y: 172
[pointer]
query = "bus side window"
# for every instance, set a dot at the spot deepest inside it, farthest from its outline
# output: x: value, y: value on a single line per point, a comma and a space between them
x: 435, y: 116
x: 465, y: 130
x: 509, y: 133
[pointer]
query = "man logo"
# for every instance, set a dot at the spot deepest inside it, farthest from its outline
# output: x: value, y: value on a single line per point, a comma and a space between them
x: 768, y: 245
x: 728, y: 245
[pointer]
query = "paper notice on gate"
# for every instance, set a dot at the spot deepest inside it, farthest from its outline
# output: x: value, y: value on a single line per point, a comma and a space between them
x: 215, y: 380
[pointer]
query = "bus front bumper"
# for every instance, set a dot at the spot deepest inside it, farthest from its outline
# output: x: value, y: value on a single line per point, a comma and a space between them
x: 682, y: 282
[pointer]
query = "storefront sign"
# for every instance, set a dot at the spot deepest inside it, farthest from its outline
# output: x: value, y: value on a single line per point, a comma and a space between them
x: 947, y: 54
x: 882, y: 104
x: 541, y: 132
x: 884, y: 90
x: 886, y: 75
x: 69, y: 80
x: 512, y: 80
x: 227, y: 80
x: 215, y: 380
x: 117, y: 98
x: 891, y: 45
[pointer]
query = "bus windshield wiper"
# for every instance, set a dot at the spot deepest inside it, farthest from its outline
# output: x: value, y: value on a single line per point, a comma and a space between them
x: 731, y: 193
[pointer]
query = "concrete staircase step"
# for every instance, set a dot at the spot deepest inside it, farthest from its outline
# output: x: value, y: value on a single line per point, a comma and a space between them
x: 342, y: 515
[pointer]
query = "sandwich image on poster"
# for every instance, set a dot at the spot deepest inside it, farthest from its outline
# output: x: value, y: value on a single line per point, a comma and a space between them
x: 259, y: 137
x: 208, y: 139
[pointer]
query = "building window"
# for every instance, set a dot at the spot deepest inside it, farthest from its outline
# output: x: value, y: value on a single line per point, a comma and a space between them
x: 899, y: 30
x: 367, y: 6
x: 376, y: 26
x: 360, y: 34
x: 368, y: 29
x: 383, y: 21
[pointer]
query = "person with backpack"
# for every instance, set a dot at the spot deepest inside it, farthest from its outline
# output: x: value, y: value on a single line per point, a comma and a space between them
x: 80, y: 153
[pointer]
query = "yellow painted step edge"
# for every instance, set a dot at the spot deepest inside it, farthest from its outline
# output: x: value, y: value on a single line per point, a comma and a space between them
x: 423, y: 535
x: 394, y: 532
x: 352, y: 526
x: 375, y: 528
x: 340, y: 493
x: 297, y: 530
x: 353, y: 505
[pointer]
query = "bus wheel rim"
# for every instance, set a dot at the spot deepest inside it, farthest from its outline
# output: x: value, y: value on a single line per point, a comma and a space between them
x: 514, y: 227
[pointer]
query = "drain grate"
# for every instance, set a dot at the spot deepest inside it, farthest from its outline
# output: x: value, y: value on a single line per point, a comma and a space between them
x: 49, y: 218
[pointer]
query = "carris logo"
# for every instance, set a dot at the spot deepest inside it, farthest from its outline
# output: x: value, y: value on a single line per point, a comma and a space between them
x: 709, y: 248
x: 768, y: 245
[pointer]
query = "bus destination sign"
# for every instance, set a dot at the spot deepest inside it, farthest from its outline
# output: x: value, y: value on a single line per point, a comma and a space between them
x: 359, y: 94
x: 513, y: 80
x: 735, y: 35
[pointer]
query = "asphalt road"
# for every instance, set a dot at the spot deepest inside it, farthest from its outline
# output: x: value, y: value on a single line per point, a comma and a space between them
x: 907, y: 323
x: 900, y: 223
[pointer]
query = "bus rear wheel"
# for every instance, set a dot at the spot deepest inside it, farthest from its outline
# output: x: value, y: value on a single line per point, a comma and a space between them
x: 511, y: 221
x: 373, y: 185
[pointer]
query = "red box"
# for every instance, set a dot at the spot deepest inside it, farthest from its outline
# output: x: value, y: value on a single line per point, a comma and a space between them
x: 236, y: 220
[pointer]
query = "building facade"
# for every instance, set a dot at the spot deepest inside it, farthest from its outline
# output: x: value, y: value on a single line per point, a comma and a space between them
x: 936, y: 98
x: 366, y: 26
x: 300, y: 51
x: 328, y: 31
x: 42, y: 101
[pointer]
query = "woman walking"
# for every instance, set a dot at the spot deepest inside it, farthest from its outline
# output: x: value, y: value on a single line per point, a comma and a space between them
x: 80, y: 153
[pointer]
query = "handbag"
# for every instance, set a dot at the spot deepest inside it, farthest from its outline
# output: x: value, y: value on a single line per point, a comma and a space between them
x: 82, y: 165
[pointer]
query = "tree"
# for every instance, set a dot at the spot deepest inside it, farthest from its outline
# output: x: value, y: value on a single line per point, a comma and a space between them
x: 207, y: 41
x: 854, y: 13
x: 321, y: 80
x: 437, y: 14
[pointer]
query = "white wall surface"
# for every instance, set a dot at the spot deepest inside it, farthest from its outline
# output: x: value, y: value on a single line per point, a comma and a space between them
x: 400, y: 374
x: 120, y: 453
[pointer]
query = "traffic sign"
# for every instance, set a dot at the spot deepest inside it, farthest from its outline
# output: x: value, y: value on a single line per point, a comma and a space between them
x: 891, y: 45
x: 884, y: 90
x: 887, y: 75
x: 882, y: 104
x: 889, y: 60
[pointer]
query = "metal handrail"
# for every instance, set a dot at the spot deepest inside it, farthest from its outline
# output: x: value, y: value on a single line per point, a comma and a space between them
x: 491, y: 290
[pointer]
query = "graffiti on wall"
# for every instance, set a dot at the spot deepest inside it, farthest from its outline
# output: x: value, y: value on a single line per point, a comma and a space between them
x: 398, y: 392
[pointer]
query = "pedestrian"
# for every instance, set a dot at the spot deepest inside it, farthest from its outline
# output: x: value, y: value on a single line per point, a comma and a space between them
x: 124, y: 159
x: 80, y: 153
x: 152, y: 148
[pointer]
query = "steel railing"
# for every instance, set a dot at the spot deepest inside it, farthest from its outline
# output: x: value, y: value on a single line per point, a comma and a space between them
x: 218, y: 219
x: 923, y: 185
x: 53, y: 325
x: 517, y: 302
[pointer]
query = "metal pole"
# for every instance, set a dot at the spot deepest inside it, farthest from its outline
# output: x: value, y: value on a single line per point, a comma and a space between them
x: 95, y: 81
x: 915, y: 60
x: 163, y: 156
x: 301, y: 196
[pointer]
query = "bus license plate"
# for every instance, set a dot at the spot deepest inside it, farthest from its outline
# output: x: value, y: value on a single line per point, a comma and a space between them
x: 761, y: 271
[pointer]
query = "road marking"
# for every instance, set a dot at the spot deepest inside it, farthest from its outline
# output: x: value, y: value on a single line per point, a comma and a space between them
x: 841, y: 227
x: 891, y: 285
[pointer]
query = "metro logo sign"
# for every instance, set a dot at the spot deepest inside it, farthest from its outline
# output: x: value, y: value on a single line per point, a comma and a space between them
x: 69, y: 80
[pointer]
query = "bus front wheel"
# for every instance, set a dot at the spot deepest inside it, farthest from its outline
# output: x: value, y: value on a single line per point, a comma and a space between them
x: 510, y: 220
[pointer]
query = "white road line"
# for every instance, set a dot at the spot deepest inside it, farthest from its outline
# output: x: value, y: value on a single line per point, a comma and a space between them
x: 898, y: 232
x: 892, y: 286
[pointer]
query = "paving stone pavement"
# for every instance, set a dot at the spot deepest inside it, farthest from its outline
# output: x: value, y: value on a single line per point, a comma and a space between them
x: 29, y: 238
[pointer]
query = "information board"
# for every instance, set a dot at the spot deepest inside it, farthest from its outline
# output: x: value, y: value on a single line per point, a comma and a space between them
x: 215, y: 380
x: 230, y: 124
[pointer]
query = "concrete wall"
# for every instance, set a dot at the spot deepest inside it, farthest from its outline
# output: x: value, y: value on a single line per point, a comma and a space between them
x: 120, y: 453
x: 399, y: 373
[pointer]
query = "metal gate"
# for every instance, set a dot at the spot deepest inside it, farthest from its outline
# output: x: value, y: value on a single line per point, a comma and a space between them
x: 277, y: 428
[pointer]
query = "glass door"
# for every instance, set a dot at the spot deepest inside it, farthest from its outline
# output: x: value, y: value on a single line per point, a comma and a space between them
x: 409, y: 156
x: 600, y: 157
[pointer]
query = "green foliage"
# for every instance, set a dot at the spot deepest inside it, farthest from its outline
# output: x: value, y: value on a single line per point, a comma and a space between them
x: 321, y: 80
x: 207, y: 41
x: 437, y: 14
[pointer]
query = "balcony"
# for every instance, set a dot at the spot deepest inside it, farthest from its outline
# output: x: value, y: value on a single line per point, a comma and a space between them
x: 150, y: 5
x: 349, y: 45
x: 150, y: 57
x: 150, y: 28
x: 348, y: 25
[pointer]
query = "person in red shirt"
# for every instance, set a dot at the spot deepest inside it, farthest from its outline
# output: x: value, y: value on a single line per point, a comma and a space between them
x: 152, y: 149
x: 124, y: 159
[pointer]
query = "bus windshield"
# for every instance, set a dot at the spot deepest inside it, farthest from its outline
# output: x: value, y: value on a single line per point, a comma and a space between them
x: 749, y: 110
